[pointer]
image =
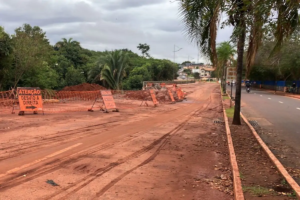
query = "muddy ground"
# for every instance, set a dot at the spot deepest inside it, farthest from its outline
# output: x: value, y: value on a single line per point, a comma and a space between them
x: 173, y: 151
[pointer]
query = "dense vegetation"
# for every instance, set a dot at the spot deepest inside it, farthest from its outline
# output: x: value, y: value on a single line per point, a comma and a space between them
x: 284, y: 65
x: 27, y: 59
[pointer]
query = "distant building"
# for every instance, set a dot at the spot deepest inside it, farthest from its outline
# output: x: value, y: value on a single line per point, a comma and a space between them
x: 204, y: 71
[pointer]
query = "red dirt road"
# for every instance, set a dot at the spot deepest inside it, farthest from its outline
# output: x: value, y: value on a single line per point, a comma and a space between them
x: 174, y: 151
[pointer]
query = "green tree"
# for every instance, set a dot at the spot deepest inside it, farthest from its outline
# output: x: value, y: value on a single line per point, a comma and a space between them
x: 5, y: 57
x: 72, y: 51
x: 137, y: 76
x: 201, y: 17
x: 225, y: 52
x: 43, y: 76
x: 74, y: 76
x: 31, y: 50
x: 186, y: 62
x: 187, y: 71
x: 144, y: 48
x: 113, y: 70
x: 196, y: 75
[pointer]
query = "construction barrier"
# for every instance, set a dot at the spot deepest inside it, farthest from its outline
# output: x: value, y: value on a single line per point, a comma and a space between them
x: 30, y: 100
x: 171, y: 95
x: 179, y: 94
x: 153, y: 97
x: 108, y: 100
x: 70, y: 101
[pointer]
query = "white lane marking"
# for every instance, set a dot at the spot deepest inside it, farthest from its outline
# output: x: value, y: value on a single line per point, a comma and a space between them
x: 39, y: 160
x: 269, y: 98
x: 298, y: 108
x: 280, y: 102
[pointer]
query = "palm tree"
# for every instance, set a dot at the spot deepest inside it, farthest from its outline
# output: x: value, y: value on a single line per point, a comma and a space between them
x: 225, y: 52
x: 94, y: 73
x: 66, y: 42
x: 201, y: 19
x: 113, y: 70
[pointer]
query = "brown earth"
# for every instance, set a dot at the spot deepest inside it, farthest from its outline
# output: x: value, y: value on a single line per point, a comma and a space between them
x: 259, y: 176
x: 84, y: 87
x: 173, y: 151
x: 161, y: 95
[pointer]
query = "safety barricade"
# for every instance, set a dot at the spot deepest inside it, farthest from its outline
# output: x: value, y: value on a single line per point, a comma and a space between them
x: 30, y: 100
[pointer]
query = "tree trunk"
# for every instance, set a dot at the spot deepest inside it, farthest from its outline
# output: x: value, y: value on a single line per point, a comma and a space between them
x: 222, y: 79
x: 225, y: 77
x: 239, y: 74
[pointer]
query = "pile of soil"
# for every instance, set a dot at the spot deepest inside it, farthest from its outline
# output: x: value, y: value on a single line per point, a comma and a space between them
x: 161, y: 96
x: 84, y: 87
x: 138, y: 95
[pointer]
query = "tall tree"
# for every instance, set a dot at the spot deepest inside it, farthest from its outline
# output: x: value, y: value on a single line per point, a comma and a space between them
x: 31, y: 49
x: 198, y: 14
x: 225, y: 52
x: 113, y: 70
x: 5, y: 56
x: 144, y: 48
x: 201, y: 18
x: 72, y: 51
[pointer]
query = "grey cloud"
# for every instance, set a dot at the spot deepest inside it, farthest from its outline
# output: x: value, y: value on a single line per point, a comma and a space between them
x: 46, y: 13
x: 169, y: 25
x: 125, y: 4
x: 107, y: 24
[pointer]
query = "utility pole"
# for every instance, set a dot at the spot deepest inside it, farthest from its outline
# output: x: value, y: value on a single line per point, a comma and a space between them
x: 174, y: 57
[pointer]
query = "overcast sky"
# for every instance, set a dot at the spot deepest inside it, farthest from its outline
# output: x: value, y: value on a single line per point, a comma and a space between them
x: 108, y: 24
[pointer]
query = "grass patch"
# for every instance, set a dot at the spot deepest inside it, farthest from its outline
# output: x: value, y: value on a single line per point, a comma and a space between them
x: 229, y: 112
x: 242, y: 176
x: 225, y: 97
x: 258, y: 191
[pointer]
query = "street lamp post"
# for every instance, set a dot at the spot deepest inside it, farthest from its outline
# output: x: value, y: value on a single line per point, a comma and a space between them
x: 174, y: 56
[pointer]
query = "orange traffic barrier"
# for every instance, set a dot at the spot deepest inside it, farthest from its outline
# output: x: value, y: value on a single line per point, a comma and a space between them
x: 171, y: 95
x: 152, y: 93
x: 179, y: 94
x: 163, y: 85
x: 109, y: 101
x: 30, y: 99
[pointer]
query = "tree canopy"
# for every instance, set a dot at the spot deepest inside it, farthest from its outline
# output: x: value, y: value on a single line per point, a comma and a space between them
x: 252, y: 18
x: 28, y: 59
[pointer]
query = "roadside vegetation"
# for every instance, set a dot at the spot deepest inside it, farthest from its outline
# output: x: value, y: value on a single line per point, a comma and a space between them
x: 27, y: 59
x: 252, y: 22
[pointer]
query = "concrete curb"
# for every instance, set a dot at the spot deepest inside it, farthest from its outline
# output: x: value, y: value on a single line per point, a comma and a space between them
x: 237, y: 184
x: 273, y: 158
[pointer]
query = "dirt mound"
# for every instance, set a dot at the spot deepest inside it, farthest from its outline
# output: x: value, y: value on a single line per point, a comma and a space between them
x: 84, y: 87
x: 138, y: 95
x: 161, y: 96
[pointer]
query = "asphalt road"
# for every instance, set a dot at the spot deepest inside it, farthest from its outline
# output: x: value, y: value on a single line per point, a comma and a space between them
x: 280, y: 115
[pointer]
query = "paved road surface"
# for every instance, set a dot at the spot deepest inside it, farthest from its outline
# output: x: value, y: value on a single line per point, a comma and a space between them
x: 280, y: 115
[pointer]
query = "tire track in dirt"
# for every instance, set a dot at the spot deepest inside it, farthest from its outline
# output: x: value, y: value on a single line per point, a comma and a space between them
x: 99, y: 172
x: 153, y: 156
x: 53, y: 165
x: 69, y: 136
